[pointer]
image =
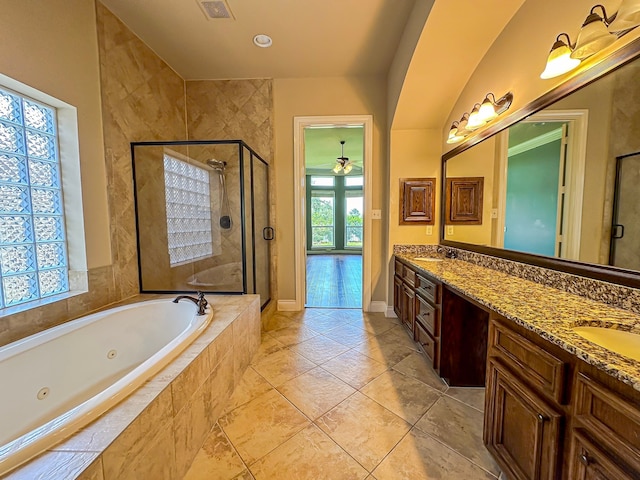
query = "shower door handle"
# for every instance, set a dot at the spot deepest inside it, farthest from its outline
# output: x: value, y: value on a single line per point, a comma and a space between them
x: 267, y: 233
x: 618, y: 231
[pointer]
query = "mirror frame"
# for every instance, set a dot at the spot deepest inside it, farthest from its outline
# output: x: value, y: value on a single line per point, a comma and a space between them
x: 589, y: 74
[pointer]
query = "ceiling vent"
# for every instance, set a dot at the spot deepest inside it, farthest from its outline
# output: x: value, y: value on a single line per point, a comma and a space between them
x: 216, y: 9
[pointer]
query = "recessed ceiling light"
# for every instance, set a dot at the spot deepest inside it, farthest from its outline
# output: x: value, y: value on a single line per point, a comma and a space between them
x: 262, y: 41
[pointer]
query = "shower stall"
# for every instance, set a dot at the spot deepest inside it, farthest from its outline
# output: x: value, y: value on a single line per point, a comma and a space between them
x: 202, y: 217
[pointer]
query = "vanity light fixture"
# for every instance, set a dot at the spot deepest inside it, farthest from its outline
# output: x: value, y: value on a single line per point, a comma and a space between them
x: 475, y: 119
x: 559, y: 60
x: 628, y: 16
x: 593, y: 35
x: 481, y: 114
x: 597, y: 33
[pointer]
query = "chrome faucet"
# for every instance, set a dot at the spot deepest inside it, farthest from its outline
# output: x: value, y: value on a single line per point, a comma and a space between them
x: 201, y: 302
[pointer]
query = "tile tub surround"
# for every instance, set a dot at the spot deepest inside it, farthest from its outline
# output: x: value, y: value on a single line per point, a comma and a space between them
x: 617, y: 296
x: 547, y: 311
x: 157, y: 431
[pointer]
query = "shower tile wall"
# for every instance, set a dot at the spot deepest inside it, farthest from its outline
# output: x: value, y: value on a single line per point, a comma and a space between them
x: 232, y: 110
x: 142, y: 100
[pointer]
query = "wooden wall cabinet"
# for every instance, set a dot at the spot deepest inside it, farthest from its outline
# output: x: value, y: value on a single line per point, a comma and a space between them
x: 417, y: 201
x: 463, y: 202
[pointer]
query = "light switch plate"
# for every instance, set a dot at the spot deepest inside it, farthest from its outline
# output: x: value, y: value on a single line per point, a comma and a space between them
x: 494, y: 213
x: 429, y: 230
x: 449, y: 229
x: 376, y: 214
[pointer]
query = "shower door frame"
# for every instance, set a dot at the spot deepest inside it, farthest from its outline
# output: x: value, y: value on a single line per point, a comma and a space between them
x: 241, y: 145
x: 300, y: 235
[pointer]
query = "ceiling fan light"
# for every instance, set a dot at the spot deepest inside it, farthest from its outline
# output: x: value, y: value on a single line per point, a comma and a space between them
x: 347, y: 168
x: 337, y: 168
x: 628, y: 16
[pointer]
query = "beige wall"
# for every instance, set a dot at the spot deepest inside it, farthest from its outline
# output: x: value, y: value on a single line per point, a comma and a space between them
x: 55, y: 51
x: 327, y: 96
x: 475, y: 162
x: 414, y: 154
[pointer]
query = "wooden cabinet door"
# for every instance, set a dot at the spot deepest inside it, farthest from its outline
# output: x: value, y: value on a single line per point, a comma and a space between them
x: 521, y: 430
x: 408, y: 307
x: 588, y: 462
x: 397, y: 296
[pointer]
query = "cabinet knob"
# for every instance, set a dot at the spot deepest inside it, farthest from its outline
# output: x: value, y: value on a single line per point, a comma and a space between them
x: 584, y: 458
x: 541, y: 418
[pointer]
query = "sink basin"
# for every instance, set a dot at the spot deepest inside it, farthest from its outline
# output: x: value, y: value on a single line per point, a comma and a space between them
x: 427, y: 259
x: 619, y: 341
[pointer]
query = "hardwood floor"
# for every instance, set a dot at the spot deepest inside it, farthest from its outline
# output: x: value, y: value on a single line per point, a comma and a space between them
x: 334, y: 281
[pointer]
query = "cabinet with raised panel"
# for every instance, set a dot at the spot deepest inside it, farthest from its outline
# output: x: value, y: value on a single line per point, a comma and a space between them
x: 550, y: 415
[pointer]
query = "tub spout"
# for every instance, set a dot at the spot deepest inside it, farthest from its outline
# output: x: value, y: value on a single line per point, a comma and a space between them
x: 201, y: 302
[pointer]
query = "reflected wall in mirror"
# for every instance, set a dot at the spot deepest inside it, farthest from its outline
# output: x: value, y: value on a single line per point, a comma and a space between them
x: 550, y: 179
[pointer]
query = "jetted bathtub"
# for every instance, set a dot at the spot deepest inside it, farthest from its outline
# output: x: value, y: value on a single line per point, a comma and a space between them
x: 59, y: 380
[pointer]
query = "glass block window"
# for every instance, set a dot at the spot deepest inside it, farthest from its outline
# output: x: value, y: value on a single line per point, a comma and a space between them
x: 33, y: 253
x: 188, y: 202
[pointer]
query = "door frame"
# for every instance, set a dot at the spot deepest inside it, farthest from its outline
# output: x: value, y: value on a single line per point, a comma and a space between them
x: 299, y: 192
x: 574, y: 189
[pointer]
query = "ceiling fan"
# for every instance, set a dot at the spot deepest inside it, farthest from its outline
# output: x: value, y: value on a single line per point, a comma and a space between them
x: 342, y: 163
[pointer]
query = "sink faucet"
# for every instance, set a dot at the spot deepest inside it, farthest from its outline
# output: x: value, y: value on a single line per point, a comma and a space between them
x: 448, y: 252
x: 201, y: 302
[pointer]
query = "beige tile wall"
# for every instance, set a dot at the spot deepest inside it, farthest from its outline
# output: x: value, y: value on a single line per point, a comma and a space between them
x: 142, y: 100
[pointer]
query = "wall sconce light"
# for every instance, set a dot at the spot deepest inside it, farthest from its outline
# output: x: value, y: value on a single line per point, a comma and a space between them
x: 597, y: 33
x: 481, y: 114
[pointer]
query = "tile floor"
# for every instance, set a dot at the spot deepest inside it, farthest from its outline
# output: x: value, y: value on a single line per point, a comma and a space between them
x: 338, y: 394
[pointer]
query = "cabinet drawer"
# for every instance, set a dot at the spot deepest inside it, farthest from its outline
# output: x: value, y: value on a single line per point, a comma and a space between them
x: 429, y: 345
x: 428, y: 316
x: 608, y: 417
x: 427, y: 288
x: 588, y: 461
x: 399, y: 268
x: 542, y: 369
x: 409, y: 276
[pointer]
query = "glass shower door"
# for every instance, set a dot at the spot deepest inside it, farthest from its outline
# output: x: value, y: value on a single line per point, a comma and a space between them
x: 263, y: 232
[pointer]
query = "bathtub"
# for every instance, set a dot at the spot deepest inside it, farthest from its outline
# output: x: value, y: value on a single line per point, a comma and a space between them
x: 59, y: 380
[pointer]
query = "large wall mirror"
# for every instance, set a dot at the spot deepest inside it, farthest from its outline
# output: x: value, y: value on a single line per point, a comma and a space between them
x: 560, y: 186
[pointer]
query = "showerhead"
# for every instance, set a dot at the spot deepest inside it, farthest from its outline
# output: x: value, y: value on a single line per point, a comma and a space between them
x: 216, y: 164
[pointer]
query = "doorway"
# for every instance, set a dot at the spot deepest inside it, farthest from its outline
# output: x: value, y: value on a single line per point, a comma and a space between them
x: 333, y: 211
x: 333, y: 158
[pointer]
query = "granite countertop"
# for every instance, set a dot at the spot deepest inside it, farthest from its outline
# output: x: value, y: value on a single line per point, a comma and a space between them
x: 549, y: 312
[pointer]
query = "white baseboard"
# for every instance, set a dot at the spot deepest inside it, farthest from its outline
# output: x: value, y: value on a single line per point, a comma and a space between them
x: 287, y: 306
x: 390, y: 313
x: 377, y: 306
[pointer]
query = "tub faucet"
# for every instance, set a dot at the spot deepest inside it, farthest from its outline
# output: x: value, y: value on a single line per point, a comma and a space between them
x: 201, y: 302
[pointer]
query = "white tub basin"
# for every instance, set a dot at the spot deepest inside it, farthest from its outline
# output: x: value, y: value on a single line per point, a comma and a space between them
x: 619, y: 341
x: 427, y: 259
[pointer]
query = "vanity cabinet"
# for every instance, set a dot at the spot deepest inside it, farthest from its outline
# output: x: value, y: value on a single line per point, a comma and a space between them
x: 404, y: 295
x: 549, y: 415
x: 428, y: 317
